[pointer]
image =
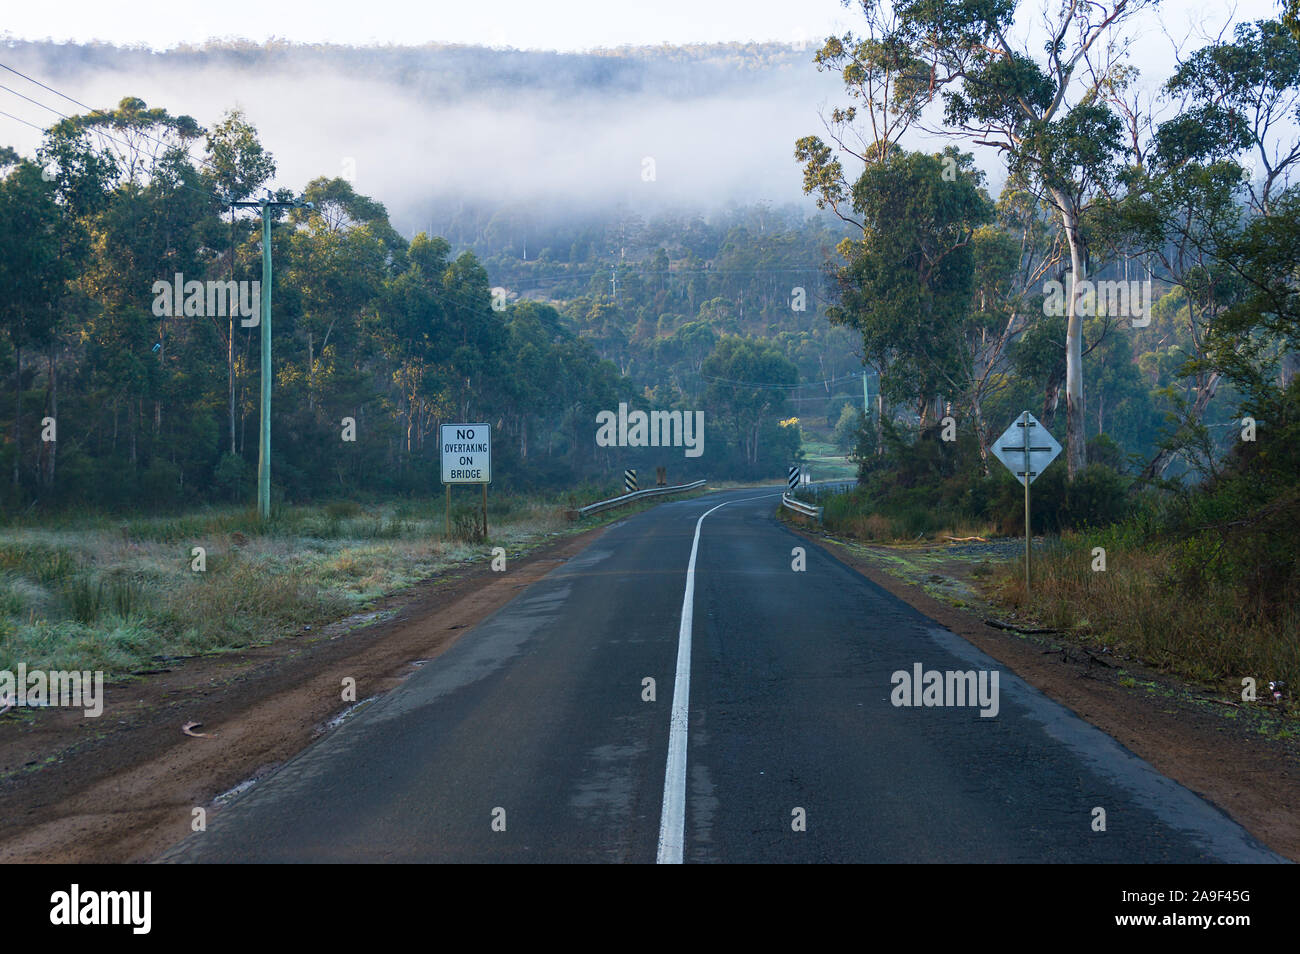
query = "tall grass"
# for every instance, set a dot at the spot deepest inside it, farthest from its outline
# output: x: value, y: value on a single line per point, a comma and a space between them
x: 94, y: 591
x: 910, y: 515
x: 1140, y: 606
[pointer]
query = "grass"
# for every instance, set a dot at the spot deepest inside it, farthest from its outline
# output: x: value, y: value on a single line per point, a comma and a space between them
x: 95, y: 592
x: 1208, y: 635
x: 825, y: 461
x: 850, y: 514
x: 1135, y: 606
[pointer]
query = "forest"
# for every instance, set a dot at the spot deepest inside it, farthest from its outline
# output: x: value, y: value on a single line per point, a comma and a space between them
x: 778, y: 321
x: 1132, y: 284
x: 152, y: 410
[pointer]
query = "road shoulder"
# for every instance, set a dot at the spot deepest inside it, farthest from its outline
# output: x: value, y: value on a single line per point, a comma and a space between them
x: 125, y: 787
x: 1252, y: 778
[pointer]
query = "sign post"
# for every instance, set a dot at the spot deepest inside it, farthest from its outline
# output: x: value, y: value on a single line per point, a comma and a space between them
x: 1026, y: 448
x: 466, y: 459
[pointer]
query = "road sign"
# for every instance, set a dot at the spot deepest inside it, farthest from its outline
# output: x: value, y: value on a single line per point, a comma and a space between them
x: 629, y: 481
x: 792, y: 480
x: 1026, y: 447
x: 466, y: 453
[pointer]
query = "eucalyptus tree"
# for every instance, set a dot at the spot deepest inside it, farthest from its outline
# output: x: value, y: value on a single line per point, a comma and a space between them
x: 1225, y: 160
x: 147, y: 227
x: 749, y: 387
x: 907, y: 286
x: 237, y: 165
x: 1042, y: 110
x: 33, y: 272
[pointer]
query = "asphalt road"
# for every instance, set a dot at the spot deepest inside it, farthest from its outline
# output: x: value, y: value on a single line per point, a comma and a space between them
x: 531, y: 740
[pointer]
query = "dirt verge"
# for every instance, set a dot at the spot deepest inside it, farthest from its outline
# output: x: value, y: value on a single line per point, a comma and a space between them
x: 124, y: 786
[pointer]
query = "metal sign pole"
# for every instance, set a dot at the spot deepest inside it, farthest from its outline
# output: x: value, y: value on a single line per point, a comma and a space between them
x: 1025, y: 423
x: 1032, y: 457
x: 447, y: 512
x: 484, y: 486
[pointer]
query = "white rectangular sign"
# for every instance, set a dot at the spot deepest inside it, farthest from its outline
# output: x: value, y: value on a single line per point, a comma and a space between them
x: 466, y: 453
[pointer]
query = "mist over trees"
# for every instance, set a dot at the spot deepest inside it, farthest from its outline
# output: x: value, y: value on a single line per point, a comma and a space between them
x: 377, y: 339
x: 1179, y: 406
x: 435, y: 124
x: 1101, y: 187
x: 759, y: 313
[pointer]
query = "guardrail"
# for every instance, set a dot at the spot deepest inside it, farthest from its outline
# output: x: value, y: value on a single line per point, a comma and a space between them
x: 799, y: 507
x: 613, y: 502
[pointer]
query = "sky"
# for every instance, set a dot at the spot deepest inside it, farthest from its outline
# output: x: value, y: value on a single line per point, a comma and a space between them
x: 545, y: 141
x: 565, y: 25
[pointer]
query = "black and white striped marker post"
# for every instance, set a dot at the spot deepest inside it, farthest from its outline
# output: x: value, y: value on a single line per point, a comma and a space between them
x: 629, y: 481
x: 793, y: 480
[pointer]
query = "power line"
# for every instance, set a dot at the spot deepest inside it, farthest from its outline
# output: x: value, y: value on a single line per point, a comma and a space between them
x: 658, y: 273
x: 98, y: 132
x: 103, y: 135
x: 30, y: 100
x: 823, y: 397
x: 20, y: 120
x: 779, y: 387
x: 92, y: 109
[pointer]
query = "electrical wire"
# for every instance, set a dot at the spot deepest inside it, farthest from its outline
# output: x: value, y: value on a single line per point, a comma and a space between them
x: 778, y: 387
x: 97, y: 132
x: 92, y: 109
x: 18, y: 119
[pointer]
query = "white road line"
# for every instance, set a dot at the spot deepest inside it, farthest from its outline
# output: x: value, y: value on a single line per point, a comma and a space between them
x: 672, y: 822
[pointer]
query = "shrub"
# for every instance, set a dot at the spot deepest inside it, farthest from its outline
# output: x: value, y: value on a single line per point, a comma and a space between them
x: 467, y: 525
x: 232, y: 477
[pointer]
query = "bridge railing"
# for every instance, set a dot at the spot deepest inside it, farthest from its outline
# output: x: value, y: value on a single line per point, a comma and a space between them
x: 799, y: 507
x: 619, y: 501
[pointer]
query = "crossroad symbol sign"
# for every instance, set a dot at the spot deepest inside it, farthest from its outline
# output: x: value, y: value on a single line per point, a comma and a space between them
x: 793, y: 480
x: 1026, y: 448
x: 466, y: 453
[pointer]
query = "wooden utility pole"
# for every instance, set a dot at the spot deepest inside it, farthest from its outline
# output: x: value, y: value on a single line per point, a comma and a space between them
x: 264, y: 319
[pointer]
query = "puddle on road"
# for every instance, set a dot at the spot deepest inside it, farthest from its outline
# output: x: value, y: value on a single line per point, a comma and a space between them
x: 344, y: 626
x: 343, y: 716
x: 239, y: 789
